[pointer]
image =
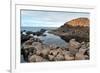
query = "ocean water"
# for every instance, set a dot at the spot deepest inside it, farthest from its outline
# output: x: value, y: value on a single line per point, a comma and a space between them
x: 49, y: 39
x: 34, y: 29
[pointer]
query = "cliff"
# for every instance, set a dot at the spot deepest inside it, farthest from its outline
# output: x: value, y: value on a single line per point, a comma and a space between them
x: 82, y: 22
x: 76, y: 28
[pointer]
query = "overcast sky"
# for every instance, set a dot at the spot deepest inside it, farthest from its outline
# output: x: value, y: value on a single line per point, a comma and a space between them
x: 33, y: 18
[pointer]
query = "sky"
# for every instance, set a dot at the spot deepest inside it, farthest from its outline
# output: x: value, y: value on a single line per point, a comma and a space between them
x: 33, y: 18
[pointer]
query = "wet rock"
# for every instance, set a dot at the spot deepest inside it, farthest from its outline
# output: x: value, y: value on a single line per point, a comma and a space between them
x: 23, y: 32
x: 29, y: 32
x: 37, y: 40
x: 24, y: 38
x: 35, y: 58
x: 29, y: 42
x: 42, y: 30
x: 31, y: 35
x: 44, y: 35
x: 74, y: 46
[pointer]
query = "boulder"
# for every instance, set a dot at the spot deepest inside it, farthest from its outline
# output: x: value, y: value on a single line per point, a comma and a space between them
x: 59, y: 57
x: 24, y: 38
x: 42, y: 30
x: 59, y: 50
x: 64, y: 52
x: 35, y: 58
x: 37, y: 45
x: 83, y: 53
x: 29, y: 42
x: 68, y: 57
x: 87, y: 57
x: 36, y: 39
x: 73, y: 46
x: 28, y: 52
x: 82, y: 43
x: 44, y: 52
x: 82, y: 50
x: 83, y: 46
x: 51, y: 57
x: 79, y: 56
x: 38, y: 51
x: 29, y: 32
x: 53, y: 52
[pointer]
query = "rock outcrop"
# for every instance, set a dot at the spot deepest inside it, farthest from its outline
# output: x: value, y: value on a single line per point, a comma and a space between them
x: 35, y: 58
x: 82, y: 22
x: 74, y: 46
x: 35, y: 51
x: 76, y: 28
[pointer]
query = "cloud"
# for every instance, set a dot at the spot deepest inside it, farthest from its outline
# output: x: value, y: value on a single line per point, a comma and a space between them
x: 48, y: 18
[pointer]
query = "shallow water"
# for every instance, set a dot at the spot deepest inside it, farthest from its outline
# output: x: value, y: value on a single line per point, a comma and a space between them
x: 49, y: 39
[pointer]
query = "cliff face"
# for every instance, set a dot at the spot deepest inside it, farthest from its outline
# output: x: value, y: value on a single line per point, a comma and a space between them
x: 82, y: 22
x: 76, y: 28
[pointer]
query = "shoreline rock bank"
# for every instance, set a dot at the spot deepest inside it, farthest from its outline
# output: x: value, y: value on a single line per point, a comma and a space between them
x: 35, y: 51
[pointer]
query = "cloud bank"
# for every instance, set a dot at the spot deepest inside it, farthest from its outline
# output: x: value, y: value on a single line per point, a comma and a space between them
x: 34, y: 18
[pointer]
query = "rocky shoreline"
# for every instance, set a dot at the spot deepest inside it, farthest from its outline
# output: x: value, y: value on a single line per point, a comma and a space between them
x: 33, y: 50
x: 75, y: 33
x: 69, y: 32
x: 77, y: 28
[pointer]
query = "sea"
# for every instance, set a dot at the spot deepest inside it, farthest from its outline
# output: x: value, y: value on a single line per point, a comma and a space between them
x: 49, y: 39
